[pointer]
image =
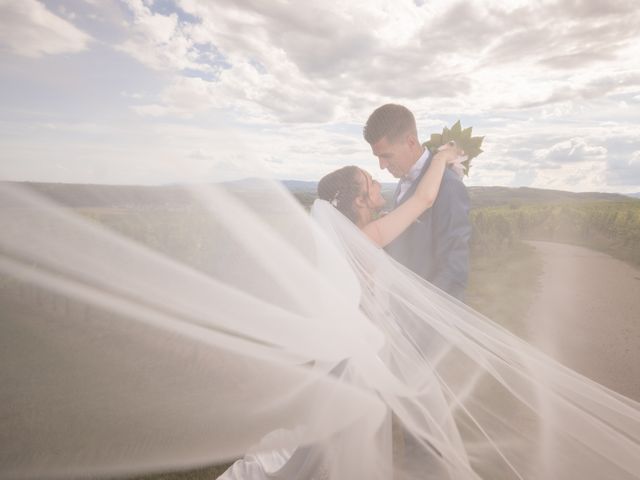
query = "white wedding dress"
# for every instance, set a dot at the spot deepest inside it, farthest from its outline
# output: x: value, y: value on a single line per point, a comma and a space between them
x: 240, y: 327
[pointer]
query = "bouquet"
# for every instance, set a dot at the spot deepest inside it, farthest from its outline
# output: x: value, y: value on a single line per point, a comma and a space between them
x: 470, y: 145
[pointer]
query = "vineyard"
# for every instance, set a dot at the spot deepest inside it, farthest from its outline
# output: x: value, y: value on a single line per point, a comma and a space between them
x: 611, y: 227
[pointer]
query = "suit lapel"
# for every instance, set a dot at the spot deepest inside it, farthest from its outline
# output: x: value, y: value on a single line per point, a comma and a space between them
x: 395, y: 195
x: 413, y: 186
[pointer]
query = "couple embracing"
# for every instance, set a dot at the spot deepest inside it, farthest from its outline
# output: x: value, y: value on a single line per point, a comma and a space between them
x: 460, y: 397
x: 428, y: 228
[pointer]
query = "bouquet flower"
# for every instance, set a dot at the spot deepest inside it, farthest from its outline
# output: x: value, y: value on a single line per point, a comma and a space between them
x: 470, y: 145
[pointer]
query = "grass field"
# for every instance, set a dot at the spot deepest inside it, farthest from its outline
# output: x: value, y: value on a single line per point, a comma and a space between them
x: 205, y: 473
x: 503, y: 286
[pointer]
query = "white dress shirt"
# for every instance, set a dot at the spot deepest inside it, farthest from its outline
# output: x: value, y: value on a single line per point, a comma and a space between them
x: 407, y: 180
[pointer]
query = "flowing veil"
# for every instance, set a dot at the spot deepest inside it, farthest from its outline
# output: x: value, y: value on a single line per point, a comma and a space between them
x: 239, y: 325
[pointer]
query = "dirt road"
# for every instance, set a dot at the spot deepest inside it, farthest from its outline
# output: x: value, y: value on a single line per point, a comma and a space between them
x: 587, y: 315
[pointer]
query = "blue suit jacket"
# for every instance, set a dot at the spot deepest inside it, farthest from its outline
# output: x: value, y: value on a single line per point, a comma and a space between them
x: 436, y: 246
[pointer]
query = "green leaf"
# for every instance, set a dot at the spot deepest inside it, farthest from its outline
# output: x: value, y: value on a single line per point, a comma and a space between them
x: 475, y: 142
x: 456, y: 130
x: 446, y: 135
x: 463, y: 137
x: 434, y: 142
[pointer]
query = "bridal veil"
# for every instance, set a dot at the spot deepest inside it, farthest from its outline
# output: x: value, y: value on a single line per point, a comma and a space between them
x: 237, y: 325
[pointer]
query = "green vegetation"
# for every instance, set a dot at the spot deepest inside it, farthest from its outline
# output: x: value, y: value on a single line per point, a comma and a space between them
x: 462, y: 137
x: 204, y: 473
x: 513, y: 197
x: 610, y: 227
x: 504, y: 270
x: 502, y: 285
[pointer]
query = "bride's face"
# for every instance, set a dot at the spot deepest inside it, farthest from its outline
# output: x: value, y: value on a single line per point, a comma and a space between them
x: 371, y: 191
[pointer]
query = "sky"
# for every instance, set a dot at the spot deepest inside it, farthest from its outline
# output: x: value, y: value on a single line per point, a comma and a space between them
x: 162, y: 91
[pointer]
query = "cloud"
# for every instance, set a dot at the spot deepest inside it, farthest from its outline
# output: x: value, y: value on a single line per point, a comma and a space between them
x: 158, y: 41
x: 238, y: 88
x: 585, y: 176
x: 185, y: 97
x: 547, y: 156
x: 585, y: 9
x: 168, y: 41
x: 573, y: 60
x: 602, y: 29
x: 28, y: 29
x: 623, y: 162
x: 471, y: 55
x: 571, y: 151
x: 286, y: 69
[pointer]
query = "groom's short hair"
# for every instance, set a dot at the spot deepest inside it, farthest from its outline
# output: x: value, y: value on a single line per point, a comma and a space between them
x: 389, y: 121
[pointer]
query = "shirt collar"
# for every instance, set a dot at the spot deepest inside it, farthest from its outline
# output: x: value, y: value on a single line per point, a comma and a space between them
x: 415, y: 170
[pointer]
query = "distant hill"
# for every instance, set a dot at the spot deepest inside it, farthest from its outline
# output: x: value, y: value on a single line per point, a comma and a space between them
x: 171, y: 196
x: 634, y: 195
x: 490, y: 196
x: 300, y: 186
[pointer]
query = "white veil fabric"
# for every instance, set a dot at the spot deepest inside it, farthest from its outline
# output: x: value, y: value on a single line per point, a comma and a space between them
x: 163, y: 340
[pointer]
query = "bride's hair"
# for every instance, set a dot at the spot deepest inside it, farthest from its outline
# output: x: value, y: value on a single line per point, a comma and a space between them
x: 341, y: 187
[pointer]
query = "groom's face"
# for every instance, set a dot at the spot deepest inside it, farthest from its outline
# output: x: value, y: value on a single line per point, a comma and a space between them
x: 397, y: 157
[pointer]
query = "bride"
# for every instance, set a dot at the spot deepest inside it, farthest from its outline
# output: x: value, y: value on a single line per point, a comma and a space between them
x: 354, y: 193
x: 296, y: 342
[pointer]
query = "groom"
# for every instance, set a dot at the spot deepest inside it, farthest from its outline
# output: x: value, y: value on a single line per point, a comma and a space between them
x: 436, y: 246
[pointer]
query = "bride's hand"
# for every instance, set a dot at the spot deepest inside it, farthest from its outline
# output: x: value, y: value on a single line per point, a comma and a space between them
x: 451, y: 153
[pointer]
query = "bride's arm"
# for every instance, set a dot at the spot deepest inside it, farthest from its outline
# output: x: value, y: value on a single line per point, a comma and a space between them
x: 386, y: 229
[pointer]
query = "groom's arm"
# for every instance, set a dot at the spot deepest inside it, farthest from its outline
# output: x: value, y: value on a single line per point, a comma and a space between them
x: 452, y: 232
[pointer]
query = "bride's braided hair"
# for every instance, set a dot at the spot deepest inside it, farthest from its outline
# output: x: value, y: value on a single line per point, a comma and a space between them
x: 340, y: 188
